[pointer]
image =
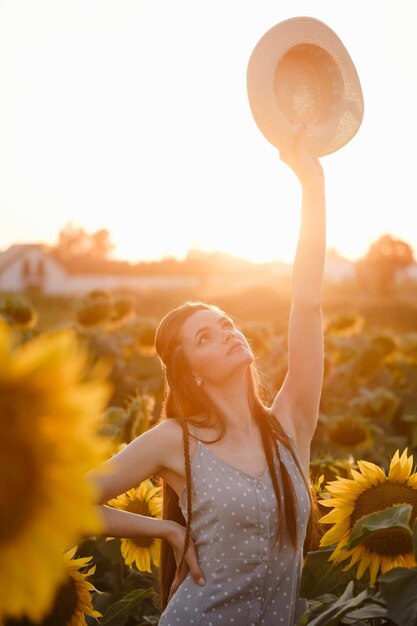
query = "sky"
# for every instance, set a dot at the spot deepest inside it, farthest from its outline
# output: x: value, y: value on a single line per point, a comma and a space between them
x: 133, y: 115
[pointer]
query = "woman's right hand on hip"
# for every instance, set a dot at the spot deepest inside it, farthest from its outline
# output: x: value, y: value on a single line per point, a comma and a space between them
x: 176, y: 538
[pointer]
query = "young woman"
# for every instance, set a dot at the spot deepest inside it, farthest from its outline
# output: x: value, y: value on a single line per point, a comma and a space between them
x: 235, y: 469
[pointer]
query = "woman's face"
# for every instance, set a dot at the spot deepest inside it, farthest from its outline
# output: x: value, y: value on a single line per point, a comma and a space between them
x: 214, y: 347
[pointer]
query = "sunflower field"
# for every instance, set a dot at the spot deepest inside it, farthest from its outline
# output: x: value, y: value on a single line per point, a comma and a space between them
x: 79, y: 380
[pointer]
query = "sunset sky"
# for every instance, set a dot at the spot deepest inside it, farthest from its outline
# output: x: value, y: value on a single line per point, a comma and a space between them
x: 132, y: 115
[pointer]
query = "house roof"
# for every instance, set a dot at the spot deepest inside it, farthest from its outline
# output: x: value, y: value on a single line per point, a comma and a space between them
x: 15, y: 252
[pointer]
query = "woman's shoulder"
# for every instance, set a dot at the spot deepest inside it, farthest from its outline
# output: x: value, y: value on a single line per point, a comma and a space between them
x: 167, y: 433
x: 171, y: 429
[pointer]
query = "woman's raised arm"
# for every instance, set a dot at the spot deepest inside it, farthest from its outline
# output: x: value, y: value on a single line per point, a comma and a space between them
x: 301, y: 390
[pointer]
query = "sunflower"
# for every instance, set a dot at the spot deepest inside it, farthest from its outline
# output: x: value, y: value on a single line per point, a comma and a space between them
x: 330, y: 467
x: 49, y: 414
x: 143, y: 500
x: 18, y: 311
x: 350, y: 432
x: 370, y: 490
x: 72, y: 600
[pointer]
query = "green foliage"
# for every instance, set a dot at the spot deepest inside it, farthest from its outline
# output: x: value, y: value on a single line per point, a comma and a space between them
x: 398, y: 589
x: 127, y: 597
x: 377, y: 402
x: 370, y: 375
x: 321, y: 577
x: 123, y: 425
x: 332, y: 611
x: 343, y: 323
x: 118, y: 613
x: 415, y: 540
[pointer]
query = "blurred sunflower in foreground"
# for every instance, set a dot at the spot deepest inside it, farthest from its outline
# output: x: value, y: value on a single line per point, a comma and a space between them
x: 72, y: 600
x: 143, y: 500
x: 370, y: 490
x: 50, y: 409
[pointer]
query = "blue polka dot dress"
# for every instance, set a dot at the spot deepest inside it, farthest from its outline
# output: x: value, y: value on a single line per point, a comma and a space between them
x: 250, y: 579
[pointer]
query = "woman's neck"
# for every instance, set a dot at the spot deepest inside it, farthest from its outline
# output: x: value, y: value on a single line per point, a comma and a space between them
x: 232, y: 400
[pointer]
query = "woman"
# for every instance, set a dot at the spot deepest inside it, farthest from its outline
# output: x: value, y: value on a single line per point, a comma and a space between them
x: 236, y: 470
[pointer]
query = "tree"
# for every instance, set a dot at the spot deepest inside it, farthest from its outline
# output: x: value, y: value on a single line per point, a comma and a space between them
x: 101, y: 245
x: 75, y: 243
x: 385, y: 258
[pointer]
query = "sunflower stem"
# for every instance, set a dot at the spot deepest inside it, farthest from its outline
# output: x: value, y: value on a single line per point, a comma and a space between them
x: 119, y: 577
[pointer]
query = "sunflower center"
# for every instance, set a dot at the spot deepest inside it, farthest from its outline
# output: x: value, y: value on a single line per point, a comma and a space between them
x: 348, y: 433
x: 19, y: 477
x: 389, y: 542
x: 65, y: 605
x: 140, y: 508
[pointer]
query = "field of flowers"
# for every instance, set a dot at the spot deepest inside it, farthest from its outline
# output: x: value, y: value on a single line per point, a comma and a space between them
x: 80, y: 380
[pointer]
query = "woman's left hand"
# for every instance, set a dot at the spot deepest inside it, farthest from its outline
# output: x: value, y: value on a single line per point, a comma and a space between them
x: 295, y: 154
x: 176, y: 538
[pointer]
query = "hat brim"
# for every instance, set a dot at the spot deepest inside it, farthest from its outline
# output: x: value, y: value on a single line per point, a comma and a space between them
x: 274, y: 64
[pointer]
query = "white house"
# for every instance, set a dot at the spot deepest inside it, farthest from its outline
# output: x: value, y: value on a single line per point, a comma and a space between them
x: 25, y: 266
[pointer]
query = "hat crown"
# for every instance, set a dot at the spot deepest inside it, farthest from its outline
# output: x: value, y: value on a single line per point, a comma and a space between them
x: 300, y: 71
x: 308, y: 85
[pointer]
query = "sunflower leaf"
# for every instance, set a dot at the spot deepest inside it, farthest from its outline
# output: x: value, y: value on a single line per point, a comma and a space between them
x: 396, y: 516
x: 110, y: 549
x: 415, y: 539
x: 320, y: 576
x: 370, y: 610
x: 398, y: 588
x: 332, y: 614
x: 124, y: 606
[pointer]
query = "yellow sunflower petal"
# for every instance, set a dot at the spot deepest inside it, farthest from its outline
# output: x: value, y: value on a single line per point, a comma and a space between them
x: 355, y: 556
x: 409, y: 560
x: 364, y: 563
x: 340, y: 553
x: 369, y: 490
x: 50, y: 444
x: 329, y: 502
x: 374, y: 567
x: 333, y: 535
x: 412, y: 481
x: 395, y: 459
x: 337, y: 515
x: 395, y: 470
x: 374, y: 473
x: 386, y: 563
x: 360, y: 478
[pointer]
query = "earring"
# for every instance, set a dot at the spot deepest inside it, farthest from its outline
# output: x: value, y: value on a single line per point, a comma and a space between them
x: 198, y: 381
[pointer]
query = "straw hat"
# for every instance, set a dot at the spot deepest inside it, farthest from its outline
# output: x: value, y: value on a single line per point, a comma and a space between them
x: 300, y: 71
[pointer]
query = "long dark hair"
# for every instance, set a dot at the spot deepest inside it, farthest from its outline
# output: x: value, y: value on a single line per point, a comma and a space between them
x: 183, y: 401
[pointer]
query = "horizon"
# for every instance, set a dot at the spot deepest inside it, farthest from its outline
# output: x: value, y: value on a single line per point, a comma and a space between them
x: 204, y: 253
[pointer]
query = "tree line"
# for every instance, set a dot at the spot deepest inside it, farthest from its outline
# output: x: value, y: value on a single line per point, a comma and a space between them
x: 84, y: 252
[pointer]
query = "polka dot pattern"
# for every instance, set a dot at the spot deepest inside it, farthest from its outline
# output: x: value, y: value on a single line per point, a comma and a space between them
x: 250, y: 579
